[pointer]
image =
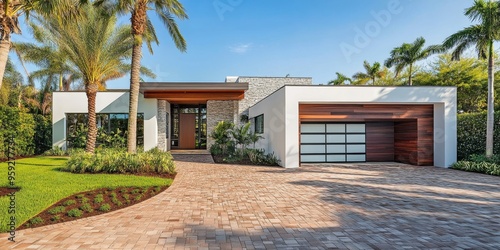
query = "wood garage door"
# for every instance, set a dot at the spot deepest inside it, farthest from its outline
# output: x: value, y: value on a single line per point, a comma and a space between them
x: 332, y: 142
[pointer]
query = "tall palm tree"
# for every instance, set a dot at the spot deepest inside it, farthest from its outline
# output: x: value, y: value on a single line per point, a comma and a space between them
x: 481, y: 36
x: 96, y: 48
x: 11, y: 10
x: 408, y: 54
x: 372, y: 72
x: 340, y: 80
x: 166, y: 10
x: 53, y: 66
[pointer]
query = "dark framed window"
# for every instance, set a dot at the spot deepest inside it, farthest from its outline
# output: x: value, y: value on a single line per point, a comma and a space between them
x: 167, y: 118
x: 259, y: 124
x: 110, y: 124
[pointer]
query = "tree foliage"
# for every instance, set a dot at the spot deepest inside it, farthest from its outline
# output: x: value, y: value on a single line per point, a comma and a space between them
x: 481, y: 36
x: 372, y: 73
x: 406, y: 55
x: 468, y: 75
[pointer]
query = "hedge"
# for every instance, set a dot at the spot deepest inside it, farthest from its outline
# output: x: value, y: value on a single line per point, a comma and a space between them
x: 471, y: 134
x: 31, y: 132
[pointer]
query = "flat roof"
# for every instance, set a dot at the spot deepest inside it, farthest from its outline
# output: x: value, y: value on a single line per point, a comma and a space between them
x: 191, y: 86
x: 193, y: 92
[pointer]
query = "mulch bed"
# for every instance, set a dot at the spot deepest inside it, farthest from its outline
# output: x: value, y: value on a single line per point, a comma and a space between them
x: 123, y: 197
x: 4, y: 191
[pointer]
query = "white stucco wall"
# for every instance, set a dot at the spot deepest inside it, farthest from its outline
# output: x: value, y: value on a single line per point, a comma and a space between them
x: 106, y: 102
x: 274, y: 134
x: 443, y: 98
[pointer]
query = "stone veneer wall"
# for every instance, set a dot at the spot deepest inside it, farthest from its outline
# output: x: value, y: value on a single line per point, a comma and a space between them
x: 261, y: 87
x: 162, y: 125
x: 220, y: 111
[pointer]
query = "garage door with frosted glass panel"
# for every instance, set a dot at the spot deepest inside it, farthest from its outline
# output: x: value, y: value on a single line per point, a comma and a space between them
x: 332, y: 142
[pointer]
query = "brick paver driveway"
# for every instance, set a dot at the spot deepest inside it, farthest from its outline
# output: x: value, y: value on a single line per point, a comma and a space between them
x: 387, y: 206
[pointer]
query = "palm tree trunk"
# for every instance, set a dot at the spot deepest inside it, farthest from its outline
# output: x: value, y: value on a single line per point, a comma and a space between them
x: 410, y: 80
x: 134, y: 96
x: 491, y: 103
x: 60, y: 82
x: 4, y: 56
x: 91, y: 91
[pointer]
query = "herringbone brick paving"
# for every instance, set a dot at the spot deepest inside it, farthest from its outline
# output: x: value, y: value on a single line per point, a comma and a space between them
x: 363, y: 206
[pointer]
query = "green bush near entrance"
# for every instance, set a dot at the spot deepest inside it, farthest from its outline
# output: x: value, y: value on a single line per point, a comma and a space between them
x: 231, y: 146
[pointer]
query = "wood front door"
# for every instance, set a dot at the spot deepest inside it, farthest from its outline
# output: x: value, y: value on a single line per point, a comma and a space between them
x: 187, y: 131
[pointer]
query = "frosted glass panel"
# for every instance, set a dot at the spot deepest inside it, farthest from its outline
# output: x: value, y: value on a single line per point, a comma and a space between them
x: 335, y: 158
x: 312, y: 158
x: 356, y: 149
x: 356, y: 138
x: 335, y: 138
x: 336, y: 148
x: 312, y: 128
x: 356, y: 158
x: 312, y: 138
x: 335, y: 128
x: 355, y: 128
x: 307, y: 149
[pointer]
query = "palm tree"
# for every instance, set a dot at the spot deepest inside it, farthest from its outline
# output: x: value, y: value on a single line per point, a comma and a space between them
x: 408, y: 54
x: 481, y: 36
x: 54, y: 68
x: 11, y: 10
x: 96, y: 48
x: 166, y: 10
x: 341, y: 80
x: 372, y: 72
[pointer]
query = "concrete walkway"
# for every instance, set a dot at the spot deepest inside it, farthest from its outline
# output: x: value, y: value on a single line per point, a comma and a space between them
x: 384, y: 206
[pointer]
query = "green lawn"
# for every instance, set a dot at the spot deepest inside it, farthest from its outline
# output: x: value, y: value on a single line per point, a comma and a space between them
x: 42, y: 185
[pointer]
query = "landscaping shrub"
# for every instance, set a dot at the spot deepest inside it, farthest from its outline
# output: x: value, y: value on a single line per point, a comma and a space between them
x: 119, y: 161
x: 478, y: 167
x: 98, y: 199
x: 69, y: 202
x: 57, y: 210
x: 32, y: 132
x: 471, y: 134
x: 105, y: 207
x: 231, y: 145
x: 55, y: 151
x: 224, y: 144
x: 480, y: 164
x: 36, y: 220
x: 87, y: 208
x: 55, y: 218
x: 480, y: 158
x: 75, y: 212
x: 116, y: 201
x: 43, y: 133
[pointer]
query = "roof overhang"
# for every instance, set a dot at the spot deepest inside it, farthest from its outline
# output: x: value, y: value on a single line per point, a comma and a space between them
x: 179, y: 92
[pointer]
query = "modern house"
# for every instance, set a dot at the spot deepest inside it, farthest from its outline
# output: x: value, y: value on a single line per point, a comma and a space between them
x: 300, y: 122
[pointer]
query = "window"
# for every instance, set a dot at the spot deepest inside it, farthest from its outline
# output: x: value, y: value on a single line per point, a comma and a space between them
x: 109, y: 124
x: 259, y: 124
x: 167, y: 117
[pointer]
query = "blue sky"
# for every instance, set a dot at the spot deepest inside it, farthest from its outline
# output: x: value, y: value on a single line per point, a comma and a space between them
x: 314, y: 38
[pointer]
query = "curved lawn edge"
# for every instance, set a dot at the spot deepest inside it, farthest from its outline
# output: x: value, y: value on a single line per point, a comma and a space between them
x: 136, y: 195
x: 43, y: 184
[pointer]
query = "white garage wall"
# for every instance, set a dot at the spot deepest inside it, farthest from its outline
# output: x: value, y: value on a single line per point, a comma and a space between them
x: 106, y: 102
x: 273, y: 109
x: 443, y: 98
